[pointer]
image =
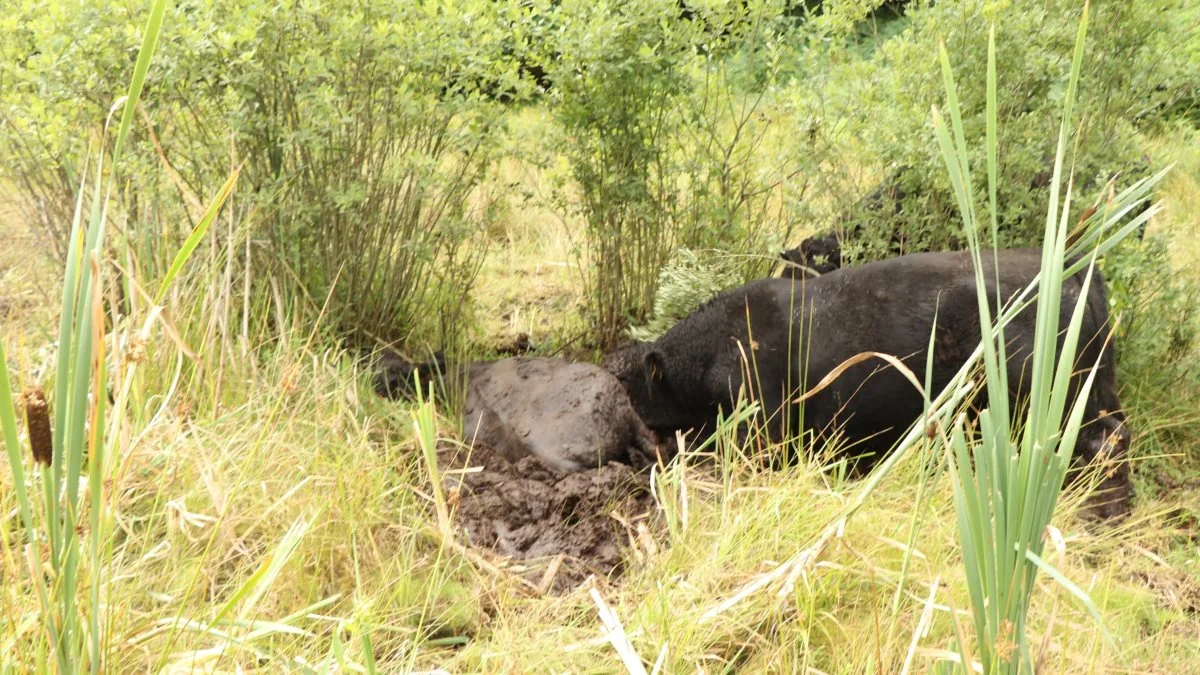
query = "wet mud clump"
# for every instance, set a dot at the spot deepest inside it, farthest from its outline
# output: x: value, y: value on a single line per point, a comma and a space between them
x: 553, y: 480
x: 572, y: 416
x: 560, y: 523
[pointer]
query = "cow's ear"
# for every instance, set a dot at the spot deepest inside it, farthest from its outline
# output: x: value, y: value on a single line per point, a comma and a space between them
x: 654, y: 363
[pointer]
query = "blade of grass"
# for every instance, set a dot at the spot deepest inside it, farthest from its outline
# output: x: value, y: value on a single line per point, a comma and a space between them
x: 193, y: 240
x: 96, y: 458
x: 425, y: 427
x: 137, y: 82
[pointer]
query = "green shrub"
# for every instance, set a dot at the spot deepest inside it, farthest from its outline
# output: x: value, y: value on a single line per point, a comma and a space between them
x: 1156, y: 306
x: 867, y: 114
x: 664, y: 152
x: 59, y: 63
x: 734, y: 170
x: 1153, y: 301
x: 364, y: 131
x: 367, y: 149
x: 616, y: 84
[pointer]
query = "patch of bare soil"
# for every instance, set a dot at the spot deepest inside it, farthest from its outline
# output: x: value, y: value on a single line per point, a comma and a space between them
x: 526, y: 511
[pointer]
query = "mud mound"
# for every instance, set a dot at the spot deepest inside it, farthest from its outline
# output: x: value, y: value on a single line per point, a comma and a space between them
x: 527, y: 511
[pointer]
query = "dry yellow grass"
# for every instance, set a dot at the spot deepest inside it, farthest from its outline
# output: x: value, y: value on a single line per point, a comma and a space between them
x: 27, y: 277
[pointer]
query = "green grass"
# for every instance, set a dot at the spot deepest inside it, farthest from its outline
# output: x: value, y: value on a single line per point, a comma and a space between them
x: 205, y: 497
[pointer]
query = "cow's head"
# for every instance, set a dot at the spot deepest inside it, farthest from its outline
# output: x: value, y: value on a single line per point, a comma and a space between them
x: 813, y: 257
x: 643, y: 372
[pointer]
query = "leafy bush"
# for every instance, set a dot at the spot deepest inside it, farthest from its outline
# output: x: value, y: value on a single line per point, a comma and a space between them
x: 1156, y: 307
x: 364, y: 130
x: 663, y: 151
x: 733, y: 167
x: 616, y: 84
x: 876, y: 106
x: 367, y: 168
x: 58, y: 65
x: 1153, y: 301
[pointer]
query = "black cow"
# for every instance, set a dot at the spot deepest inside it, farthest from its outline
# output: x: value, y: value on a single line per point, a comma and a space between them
x: 817, y: 255
x: 800, y: 330
x: 571, y: 416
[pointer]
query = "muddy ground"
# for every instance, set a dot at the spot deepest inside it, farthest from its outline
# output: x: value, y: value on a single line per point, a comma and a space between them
x: 526, y: 511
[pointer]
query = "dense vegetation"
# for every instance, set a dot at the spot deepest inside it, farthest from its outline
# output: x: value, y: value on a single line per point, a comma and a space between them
x: 345, y: 175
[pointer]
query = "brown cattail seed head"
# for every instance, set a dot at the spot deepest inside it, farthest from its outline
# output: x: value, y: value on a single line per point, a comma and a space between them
x: 37, y: 422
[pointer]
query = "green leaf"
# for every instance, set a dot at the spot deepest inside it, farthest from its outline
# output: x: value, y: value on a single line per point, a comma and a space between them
x: 137, y: 82
x: 193, y: 240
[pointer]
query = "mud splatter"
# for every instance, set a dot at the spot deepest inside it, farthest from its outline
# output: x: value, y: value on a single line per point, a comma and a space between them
x: 527, y: 511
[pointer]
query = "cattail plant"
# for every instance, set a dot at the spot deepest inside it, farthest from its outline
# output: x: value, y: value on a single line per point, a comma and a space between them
x: 68, y: 529
x: 1007, y: 478
x: 73, y: 632
x: 1035, y: 464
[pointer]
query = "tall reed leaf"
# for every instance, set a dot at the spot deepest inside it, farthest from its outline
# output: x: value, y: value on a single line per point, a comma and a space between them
x: 1007, y: 482
x: 73, y: 633
x: 193, y: 240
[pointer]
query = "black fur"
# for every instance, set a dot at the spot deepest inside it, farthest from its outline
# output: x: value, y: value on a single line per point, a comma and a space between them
x: 683, y: 379
x: 817, y: 255
x: 394, y: 376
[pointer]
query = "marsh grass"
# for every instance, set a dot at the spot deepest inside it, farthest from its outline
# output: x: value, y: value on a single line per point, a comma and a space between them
x: 207, y: 499
x: 1008, y: 480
